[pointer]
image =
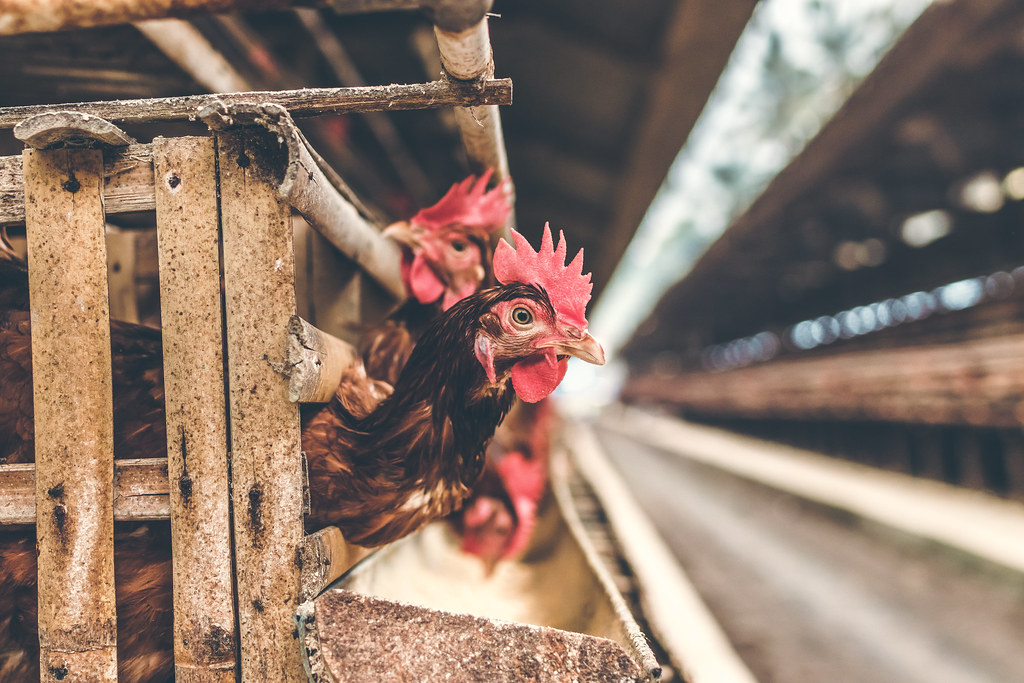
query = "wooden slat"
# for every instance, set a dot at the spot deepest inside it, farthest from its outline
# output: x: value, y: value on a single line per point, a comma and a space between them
x: 300, y: 102
x: 197, y: 447
x: 265, y: 438
x: 140, y: 491
x: 127, y: 183
x: 73, y: 414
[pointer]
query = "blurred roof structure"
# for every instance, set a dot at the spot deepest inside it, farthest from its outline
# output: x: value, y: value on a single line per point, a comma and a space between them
x: 910, y: 186
x: 605, y: 95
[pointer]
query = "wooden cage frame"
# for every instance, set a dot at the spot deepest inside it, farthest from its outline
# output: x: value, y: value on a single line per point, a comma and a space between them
x: 234, y: 475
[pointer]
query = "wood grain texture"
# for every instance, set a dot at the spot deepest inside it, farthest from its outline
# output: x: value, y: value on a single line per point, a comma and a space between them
x: 197, y: 447
x: 73, y: 402
x: 266, y: 459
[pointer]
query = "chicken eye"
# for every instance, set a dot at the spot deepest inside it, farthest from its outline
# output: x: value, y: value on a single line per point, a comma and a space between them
x: 459, y: 246
x: 522, y: 316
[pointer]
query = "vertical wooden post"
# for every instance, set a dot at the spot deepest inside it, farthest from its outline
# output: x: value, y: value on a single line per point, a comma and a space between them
x: 73, y: 414
x: 197, y: 448
x: 266, y: 463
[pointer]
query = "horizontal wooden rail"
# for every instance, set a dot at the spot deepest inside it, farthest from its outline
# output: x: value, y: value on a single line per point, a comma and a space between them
x: 302, y: 102
x: 140, y: 491
x: 978, y: 382
x: 127, y: 183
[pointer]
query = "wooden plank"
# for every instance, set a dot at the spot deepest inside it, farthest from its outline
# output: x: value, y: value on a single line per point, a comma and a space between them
x: 29, y: 16
x: 74, y: 440
x: 265, y: 438
x: 197, y: 442
x: 127, y: 183
x: 140, y: 491
x: 301, y: 102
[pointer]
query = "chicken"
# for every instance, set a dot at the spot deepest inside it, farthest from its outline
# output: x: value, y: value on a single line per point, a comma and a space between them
x: 500, y: 515
x: 378, y: 470
x: 444, y: 252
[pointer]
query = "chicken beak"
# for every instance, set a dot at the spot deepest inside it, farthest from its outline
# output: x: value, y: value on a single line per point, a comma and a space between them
x: 586, y: 349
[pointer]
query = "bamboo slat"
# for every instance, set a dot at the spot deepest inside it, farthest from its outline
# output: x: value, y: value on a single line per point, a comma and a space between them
x: 266, y: 460
x: 73, y: 414
x: 140, y: 491
x: 197, y: 448
x: 127, y: 183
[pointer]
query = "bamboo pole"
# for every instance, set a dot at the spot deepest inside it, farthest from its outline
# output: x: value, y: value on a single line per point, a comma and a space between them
x: 73, y: 414
x: 140, y: 491
x: 266, y: 466
x: 325, y: 557
x: 316, y: 361
x: 197, y: 448
x: 466, y: 57
x: 302, y: 102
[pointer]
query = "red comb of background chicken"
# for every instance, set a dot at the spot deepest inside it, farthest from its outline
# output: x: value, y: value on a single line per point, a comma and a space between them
x: 466, y: 203
x: 567, y: 287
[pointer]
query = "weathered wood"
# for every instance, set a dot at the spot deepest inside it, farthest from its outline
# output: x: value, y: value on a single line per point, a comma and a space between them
x: 69, y: 128
x: 121, y: 275
x: 32, y: 16
x: 74, y: 440
x: 302, y: 102
x: 189, y: 49
x: 305, y: 186
x: 266, y: 467
x: 315, y: 361
x: 190, y: 306
x: 140, y: 491
x: 466, y: 54
x: 975, y: 382
x: 325, y: 557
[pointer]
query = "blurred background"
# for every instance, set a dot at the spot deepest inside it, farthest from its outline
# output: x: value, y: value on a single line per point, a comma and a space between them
x: 804, y: 222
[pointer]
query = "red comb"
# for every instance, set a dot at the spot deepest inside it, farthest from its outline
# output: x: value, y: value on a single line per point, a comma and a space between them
x: 467, y: 203
x: 566, y: 285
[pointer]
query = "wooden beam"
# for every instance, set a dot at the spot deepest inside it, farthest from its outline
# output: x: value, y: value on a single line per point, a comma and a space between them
x: 266, y: 451
x: 325, y: 557
x: 187, y: 222
x: 302, y: 102
x: 35, y: 16
x: 74, y: 436
x: 140, y: 491
x: 127, y: 183
x: 315, y: 362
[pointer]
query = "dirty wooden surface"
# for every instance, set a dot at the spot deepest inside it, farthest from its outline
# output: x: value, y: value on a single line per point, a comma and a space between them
x: 419, y: 644
x: 190, y: 306
x: 266, y: 450
x: 302, y: 102
x: 140, y: 491
x: 127, y: 183
x: 73, y: 414
x: 75, y: 129
x: 466, y: 54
